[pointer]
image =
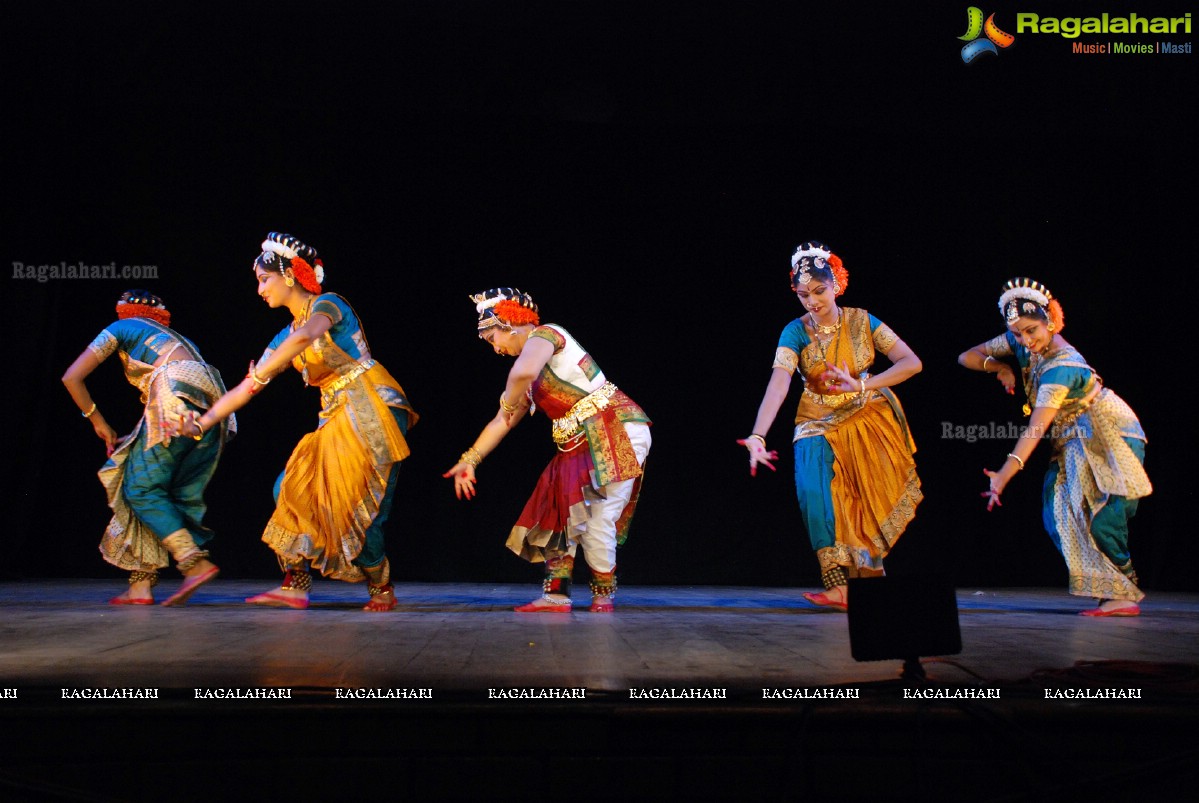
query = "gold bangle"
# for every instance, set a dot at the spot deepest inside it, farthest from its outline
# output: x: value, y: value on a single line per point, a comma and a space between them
x: 1015, y: 457
x: 254, y: 376
x: 755, y: 436
x: 89, y: 413
x: 200, y: 427
x: 507, y: 408
x: 471, y: 457
x: 987, y: 360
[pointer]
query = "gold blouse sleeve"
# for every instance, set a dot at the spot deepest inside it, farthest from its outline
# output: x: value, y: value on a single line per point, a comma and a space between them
x: 786, y: 359
x: 998, y: 347
x: 884, y: 338
x: 103, y: 346
x: 1053, y: 396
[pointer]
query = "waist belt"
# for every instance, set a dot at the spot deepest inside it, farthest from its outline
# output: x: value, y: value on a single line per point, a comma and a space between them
x: 345, y: 379
x: 570, y: 426
x: 1061, y: 422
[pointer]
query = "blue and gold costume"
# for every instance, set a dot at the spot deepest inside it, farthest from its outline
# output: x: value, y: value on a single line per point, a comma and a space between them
x: 1097, y: 473
x: 155, y: 482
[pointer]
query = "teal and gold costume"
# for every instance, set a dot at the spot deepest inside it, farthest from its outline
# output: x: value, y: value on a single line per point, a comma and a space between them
x: 1097, y: 476
x: 155, y: 482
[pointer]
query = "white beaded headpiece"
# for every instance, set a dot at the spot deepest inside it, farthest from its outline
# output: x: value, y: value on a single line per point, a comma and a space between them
x: 1024, y: 296
x: 807, y: 257
x: 289, y: 247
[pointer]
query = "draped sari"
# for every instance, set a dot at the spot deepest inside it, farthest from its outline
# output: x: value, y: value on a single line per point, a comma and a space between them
x: 855, y: 474
x: 1096, y: 475
x: 335, y: 491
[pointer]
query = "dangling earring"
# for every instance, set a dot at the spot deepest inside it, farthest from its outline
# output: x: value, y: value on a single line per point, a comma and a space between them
x: 1051, y: 327
x: 287, y: 280
x: 836, y: 287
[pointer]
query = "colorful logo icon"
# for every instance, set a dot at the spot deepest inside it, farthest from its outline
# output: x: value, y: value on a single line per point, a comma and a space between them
x: 977, y: 44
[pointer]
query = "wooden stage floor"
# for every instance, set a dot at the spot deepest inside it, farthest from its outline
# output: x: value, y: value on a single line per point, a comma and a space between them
x: 739, y: 692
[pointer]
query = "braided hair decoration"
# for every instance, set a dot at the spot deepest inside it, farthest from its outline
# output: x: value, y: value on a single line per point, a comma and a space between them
x: 143, y: 304
x: 283, y: 251
x: 506, y: 307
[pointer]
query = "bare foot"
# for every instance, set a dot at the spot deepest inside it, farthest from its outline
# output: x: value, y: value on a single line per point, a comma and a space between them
x: 138, y: 593
x: 281, y: 598
x: 835, y: 597
x: 198, y: 575
x: 600, y: 604
x: 1114, y: 607
x: 381, y: 602
x: 549, y: 603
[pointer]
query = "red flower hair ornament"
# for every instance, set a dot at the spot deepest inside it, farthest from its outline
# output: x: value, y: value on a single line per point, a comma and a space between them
x: 814, y: 256
x: 143, y: 304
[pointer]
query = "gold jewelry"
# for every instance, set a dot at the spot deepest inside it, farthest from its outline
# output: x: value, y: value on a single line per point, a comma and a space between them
x: 755, y: 436
x: 297, y: 580
x: 822, y: 347
x: 863, y: 387
x: 89, y: 413
x: 826, y: 330
x: 987, y: 360
x: 290, y: 282
x: 471, y: 457
x: 507, y: 408
x: 200, y: 427
x: 1017, y: 459
x: 569, y: 427
x: 254, y: 376
x: 189, y: 563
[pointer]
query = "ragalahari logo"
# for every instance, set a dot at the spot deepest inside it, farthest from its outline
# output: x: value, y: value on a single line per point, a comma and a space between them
x: 976, y: 43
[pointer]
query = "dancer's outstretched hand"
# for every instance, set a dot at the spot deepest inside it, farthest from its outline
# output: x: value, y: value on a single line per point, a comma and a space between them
x: 993, y: 492
x: 758, y: 454
x: 464, y: 480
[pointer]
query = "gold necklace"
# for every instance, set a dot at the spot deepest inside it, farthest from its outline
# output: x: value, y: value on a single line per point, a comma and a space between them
x: 296, y: 323
x: 821, y: 328
x: 303, y: 319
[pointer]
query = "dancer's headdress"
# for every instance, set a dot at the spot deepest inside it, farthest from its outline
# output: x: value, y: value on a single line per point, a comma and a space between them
x: 1024, y: 296
x: 814, y: 257
x: 143, y: 304
x: 505, y: 306
x: 283, y: 251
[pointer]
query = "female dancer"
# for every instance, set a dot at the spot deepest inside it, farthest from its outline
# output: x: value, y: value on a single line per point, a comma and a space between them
x: 1097, y: 474
x: 155, y: 482
x: 587, y: 494
x: 854, y: 471
x: 335, y: 494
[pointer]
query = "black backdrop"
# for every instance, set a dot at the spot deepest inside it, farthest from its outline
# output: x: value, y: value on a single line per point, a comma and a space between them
x: 644, y: 170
